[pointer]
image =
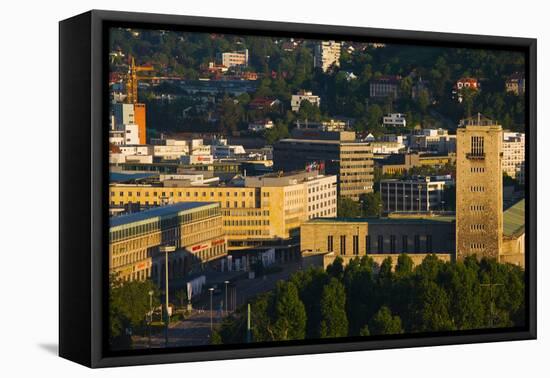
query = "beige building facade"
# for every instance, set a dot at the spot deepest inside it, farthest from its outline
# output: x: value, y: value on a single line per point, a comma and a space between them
x: 337, y: 152
x: 194, y: 229
x: 378, y: 238
x: 479, y: 201
x: 266, y: 208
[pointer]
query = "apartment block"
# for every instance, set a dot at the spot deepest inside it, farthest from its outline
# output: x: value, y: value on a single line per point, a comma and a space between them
x: 327, y: 55
x: 513, y: 156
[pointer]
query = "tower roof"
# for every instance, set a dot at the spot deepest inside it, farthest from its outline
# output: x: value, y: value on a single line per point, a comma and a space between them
x: 478, y: 120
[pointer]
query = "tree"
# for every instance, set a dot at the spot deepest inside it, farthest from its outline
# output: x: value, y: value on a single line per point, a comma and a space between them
x: 364, y: 331
x: 334, y: 321
x: 423, y: 100
x: 336, y: 269
x: 289, y: 314
x: 348, y: 208
x: 432, y: 308
x: 309, y: 112
x: 128, y: 307
x: 384, y: 323
x: 371, y: 204
x: 231, y: 113
x: 404, y: 265
x: 374, y: 116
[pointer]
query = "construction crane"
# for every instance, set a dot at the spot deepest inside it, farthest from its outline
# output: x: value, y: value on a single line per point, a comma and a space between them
x: 132, y: 80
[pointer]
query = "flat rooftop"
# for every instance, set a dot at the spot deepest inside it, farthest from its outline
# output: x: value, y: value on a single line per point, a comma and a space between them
x: 322, y: 141
x: 158, y: 212
x: 373, y: 220
x: 120, y: 177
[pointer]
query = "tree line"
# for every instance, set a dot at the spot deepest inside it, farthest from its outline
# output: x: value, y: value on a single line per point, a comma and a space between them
x: 364, y: 298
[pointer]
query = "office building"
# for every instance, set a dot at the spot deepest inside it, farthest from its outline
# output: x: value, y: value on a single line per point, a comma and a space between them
x: 193, y: 228
x: 262, y: 210
x: 337, y: 153
x: 417, y: 194
x: 327, y: 55
x: 479, y: 215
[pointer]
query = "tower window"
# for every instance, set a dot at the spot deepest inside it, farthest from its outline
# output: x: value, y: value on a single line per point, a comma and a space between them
x: 477, y: 146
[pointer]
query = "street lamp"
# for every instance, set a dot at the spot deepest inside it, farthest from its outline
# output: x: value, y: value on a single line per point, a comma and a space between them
x: 211, y: 290
x: 166, y: 249
x: 150, y: 314
x: 226, y: 305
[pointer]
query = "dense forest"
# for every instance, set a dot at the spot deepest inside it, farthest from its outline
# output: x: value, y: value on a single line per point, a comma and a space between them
x: 364, y: 299
x: 283, y: 72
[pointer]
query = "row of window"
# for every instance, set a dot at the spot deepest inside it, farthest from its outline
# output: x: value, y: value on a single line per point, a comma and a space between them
x: 380, y: 244
x: 131, y: 230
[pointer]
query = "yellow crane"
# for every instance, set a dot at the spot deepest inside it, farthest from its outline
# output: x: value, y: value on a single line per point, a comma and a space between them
x: 132, y: 80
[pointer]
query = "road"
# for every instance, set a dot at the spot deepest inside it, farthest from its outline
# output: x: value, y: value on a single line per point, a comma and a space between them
x: 195, y: 329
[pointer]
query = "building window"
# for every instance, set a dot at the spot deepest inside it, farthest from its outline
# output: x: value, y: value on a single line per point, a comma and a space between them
x: 429, y: 247
x: 355, y: 244
x: 416, y: 243
x: 330, y: 243
x: 392, y: 243
x: 367, y: 244
x: 380, y: 244
x: 405, y: 242
x: 477, y: 147
x: 342, y: 244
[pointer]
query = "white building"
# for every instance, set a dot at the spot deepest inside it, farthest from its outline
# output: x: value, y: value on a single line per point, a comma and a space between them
x: 315, y: 192
x: 224, y: 151
x: 321, y: 196
x: 302, y: 95
x: 262, y: 125
x: 327, y: 54
x: 197, y: 159
x: 131, y: 134
x: 395, y: 120
x: 170, y: 152
x: 419, y: 194
x: 513, y: 155
x: 195, y: 179
x: 437, y: 140
x: 369, y: 138
x: 116, y: 137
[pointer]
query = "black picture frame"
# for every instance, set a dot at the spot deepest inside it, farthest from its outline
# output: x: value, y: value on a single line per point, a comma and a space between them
x: 83, y: 166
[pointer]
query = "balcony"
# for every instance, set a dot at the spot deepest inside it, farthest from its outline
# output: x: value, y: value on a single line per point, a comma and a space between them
x: 475, y: 156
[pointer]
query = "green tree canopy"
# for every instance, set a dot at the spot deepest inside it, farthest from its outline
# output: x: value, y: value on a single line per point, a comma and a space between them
x: 384, y: 323
x: 334, y: 321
